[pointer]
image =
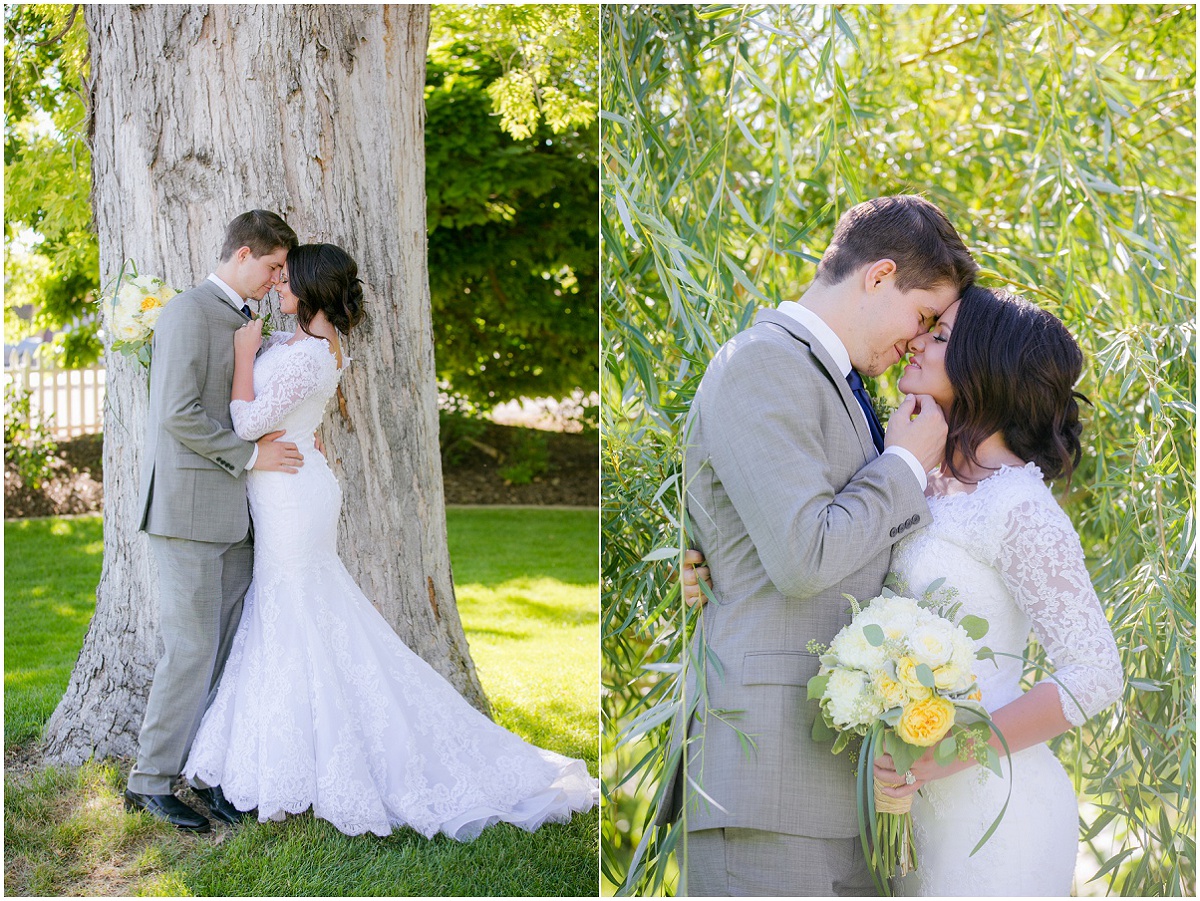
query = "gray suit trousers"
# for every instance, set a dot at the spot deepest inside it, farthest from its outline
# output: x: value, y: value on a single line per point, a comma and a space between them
x: 201, y: 588
x: 757, y: 864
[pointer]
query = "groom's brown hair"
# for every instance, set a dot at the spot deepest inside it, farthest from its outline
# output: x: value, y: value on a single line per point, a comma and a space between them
x: 904, y: 228
x: 261, y: 230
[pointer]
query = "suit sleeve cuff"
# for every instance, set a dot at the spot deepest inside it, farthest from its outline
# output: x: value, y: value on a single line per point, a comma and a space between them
x: 254, y: 459
x: 906, y: 455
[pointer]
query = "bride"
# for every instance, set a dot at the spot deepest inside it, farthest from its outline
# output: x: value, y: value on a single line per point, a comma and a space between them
x: 1003, y: 371
x: 321, y: 705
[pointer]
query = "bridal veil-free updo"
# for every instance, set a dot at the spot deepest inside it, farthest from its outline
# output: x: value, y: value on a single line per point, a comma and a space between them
x: 1013, y: 368
x: 325, y: 279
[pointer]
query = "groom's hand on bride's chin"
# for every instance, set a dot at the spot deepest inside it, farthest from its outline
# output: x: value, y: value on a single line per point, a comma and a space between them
x: 918, y: 426
x: 277, y: 456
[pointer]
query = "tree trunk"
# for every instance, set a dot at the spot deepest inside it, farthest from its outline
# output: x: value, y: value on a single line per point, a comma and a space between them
x: 316, y: 112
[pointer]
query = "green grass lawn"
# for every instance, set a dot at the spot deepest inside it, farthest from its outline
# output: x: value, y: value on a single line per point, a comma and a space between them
x: 51, y: 568
x: 526, y: 582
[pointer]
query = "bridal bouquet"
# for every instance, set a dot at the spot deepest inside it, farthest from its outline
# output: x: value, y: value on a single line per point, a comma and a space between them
x: 132, y: 308
x: 901, y: 676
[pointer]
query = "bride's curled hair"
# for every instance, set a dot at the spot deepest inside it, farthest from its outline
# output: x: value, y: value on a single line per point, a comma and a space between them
x: 1013, y: 368
x: 325, y: 279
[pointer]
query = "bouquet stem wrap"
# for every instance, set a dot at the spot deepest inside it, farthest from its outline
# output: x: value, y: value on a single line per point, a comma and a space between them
x: 895, y: 826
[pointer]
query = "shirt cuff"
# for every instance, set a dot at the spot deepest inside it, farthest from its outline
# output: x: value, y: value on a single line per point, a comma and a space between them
x: 913, y: 463
x: 254, y: 458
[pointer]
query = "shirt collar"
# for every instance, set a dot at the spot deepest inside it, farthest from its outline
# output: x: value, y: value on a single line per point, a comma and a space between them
x: 822, y: 332
x: 230, y: 294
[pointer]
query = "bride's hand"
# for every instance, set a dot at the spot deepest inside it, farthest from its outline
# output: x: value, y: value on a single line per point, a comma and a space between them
x: 248, y: 339
x: 924, y: 769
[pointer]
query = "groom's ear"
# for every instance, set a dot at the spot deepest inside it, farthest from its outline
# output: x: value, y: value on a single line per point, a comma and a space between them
x: 877, y: 273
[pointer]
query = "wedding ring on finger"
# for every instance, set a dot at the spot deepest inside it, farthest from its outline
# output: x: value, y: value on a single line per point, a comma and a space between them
x: 909, y: 778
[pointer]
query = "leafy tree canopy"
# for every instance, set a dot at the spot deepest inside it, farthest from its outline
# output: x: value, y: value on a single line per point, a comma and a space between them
x: 510, y: 172
x: 547, y: 54
x: 512, y: 225
x: 51, y: 257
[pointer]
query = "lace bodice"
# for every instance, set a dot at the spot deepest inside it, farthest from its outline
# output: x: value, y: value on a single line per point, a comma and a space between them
x: 292, y: 385
x: 1015, y: 559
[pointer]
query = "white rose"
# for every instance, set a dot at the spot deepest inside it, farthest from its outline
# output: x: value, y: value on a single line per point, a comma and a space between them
x: 932, y: 642
x: 952, y: 677
x: 150, y: 317
x: 964, y: 649
x: 130, y: 295
x: 901, y: 606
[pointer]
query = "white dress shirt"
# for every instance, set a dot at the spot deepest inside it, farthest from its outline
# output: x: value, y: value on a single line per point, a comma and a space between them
x: 829, y: 340
x: 237, y: 303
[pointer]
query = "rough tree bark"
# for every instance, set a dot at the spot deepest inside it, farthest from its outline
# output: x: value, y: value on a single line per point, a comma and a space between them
x: 316, y: 112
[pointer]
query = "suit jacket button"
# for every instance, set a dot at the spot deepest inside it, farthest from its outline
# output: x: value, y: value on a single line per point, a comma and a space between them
x: 892, y: 533
x: 916, y: 518
x: 908, y: 523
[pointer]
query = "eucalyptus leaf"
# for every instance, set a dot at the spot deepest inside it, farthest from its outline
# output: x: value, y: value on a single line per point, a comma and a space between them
x: 924, y: 675
x: 975, y: 626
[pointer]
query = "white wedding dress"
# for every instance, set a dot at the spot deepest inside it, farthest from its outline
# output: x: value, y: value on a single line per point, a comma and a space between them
x: 1015, y: 559
x: 321, y: 705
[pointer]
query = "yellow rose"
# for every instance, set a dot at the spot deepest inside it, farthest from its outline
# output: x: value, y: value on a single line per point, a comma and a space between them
x: 150, y: 301
x: 891, y: 691
x: 924, y: 723
x: 906, y: 675
x: 950, y: 676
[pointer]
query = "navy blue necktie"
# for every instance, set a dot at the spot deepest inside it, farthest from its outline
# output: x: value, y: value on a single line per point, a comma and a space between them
x: 246, y: 312
x: 864, y: 401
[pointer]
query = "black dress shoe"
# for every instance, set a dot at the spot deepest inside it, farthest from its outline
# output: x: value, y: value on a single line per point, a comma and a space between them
x: 219, y: 806
x: 168, y: 808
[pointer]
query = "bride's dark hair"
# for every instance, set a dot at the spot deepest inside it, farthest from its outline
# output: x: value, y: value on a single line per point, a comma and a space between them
x: 325, y: 279
x: 1013, y: 367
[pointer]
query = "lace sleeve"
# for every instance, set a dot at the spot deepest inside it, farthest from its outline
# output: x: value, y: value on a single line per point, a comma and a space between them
x: 299, y: 372
x: 1041, y: 562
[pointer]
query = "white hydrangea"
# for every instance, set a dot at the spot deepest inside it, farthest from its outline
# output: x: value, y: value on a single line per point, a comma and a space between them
x: 851, y: 702
x: 852, y: 648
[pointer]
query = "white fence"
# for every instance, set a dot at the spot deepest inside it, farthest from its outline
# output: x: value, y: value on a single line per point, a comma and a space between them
x: 69, y: 402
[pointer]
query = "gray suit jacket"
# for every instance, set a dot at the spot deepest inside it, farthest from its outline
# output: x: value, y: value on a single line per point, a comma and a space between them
x: 792, y: 506
x: 193, y: 464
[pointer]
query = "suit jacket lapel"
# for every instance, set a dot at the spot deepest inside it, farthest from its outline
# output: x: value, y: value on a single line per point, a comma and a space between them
x: 216, y: 298
x: 837, y: 380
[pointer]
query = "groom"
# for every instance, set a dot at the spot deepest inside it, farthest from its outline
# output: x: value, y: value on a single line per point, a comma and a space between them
x: 194, y: 507
x: 796, y: 497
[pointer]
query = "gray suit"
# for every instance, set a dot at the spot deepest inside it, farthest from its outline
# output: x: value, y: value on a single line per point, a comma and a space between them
x: 194, y: 507
x: 792, y: 507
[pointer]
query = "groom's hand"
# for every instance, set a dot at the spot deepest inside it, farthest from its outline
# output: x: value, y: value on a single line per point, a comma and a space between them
x: 919, y: 427
x: 277, y: 456
x: 693, y: 574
